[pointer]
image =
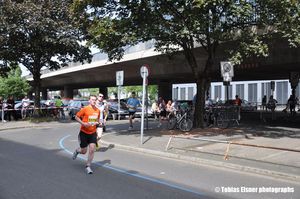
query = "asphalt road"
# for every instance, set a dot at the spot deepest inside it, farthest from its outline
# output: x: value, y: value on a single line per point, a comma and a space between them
x: 36, y: 163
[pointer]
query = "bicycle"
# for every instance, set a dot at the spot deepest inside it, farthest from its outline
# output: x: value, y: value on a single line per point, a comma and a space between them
x: 181, y: 121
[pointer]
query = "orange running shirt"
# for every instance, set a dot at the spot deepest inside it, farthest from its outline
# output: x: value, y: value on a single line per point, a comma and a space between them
x: 88, y: 114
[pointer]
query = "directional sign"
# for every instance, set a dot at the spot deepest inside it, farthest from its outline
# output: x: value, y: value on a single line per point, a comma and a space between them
x: 120, y: 77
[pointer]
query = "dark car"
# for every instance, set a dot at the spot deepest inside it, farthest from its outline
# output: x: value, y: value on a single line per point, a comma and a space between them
x: 74, y: 107
x: 114, y: 110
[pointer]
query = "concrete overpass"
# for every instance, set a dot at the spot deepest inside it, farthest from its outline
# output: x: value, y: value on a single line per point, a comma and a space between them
x: 165, y: 71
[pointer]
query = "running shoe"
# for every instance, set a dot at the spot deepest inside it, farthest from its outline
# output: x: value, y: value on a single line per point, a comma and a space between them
x: 88, y: 170
x: 75, y: 154
x: 130, y: 128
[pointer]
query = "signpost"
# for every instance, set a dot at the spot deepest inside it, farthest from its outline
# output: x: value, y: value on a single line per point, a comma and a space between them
x: 227, y: 73
x: 119, y: 81
x: 144, y: 73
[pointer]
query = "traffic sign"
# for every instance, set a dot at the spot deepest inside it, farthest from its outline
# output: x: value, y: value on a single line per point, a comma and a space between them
x: 227, y: 69
x: 144, y: 70
x: 120, y: 77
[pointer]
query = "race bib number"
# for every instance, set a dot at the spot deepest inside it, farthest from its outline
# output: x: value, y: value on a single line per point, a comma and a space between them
x: 93, y: 118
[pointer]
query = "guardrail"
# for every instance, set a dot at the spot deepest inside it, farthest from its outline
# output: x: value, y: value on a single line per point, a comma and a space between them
x: 229, y: 143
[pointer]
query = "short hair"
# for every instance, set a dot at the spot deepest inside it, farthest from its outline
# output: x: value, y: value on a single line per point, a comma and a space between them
x: 92, y: 96
x: 133, y: 93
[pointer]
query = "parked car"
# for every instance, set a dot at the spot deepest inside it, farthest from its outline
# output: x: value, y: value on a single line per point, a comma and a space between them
x: 248, y: 106
x: 138, y: 112
x: 113, y: 109
x: 74, y: 107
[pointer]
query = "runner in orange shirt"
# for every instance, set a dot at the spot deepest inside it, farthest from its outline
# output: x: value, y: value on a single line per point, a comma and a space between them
x: 88, y: 117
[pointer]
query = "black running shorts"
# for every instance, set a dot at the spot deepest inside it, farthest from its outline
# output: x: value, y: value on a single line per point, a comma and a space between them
x: 131, y: 113
x: 86, y: 139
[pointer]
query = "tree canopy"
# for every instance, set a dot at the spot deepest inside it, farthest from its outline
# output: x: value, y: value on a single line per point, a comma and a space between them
x: 14, y: 85
x: 182, y: 25
x: 40, y: 33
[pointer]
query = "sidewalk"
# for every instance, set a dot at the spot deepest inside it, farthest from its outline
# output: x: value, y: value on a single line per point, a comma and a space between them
x: 182, y: 146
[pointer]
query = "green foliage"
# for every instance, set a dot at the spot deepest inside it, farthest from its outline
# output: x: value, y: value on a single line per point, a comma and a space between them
x: 14, y: 85
x: 40, y: 33
x: 152, y: 90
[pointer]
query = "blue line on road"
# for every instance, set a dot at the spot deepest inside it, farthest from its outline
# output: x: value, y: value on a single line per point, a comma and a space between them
x: 61, y: 144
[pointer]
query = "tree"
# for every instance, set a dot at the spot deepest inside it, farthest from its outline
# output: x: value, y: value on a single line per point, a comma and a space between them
x: 5, y: 68
x: 14, y: 84
x: 40, y: 33
x: 182, y: 25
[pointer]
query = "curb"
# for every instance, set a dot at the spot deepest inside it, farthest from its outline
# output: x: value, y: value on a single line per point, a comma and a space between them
x: 206, y: 162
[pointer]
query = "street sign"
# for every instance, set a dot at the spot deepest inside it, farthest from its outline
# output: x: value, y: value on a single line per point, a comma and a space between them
x: 144, y: 69
x: 227, y: 69
x: 120, y: 77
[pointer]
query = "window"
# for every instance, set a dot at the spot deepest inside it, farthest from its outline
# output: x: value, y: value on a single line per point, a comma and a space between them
x: 218, y: 92
x: 282, y: 92
x: 182, y: 94
x: 240, y: 90
x: 175, y: 93
x: 190, y: 93
x: 229, y: 92
x: 252, y: 92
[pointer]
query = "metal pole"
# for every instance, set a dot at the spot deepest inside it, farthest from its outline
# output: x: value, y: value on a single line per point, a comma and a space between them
x: 2, y: 113
x: 143, y: 106
x: 119, y: 88
x: 147, y: 105
x: 227, y: 92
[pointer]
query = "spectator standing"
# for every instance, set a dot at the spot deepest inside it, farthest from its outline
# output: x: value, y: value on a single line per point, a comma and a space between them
x: 1, y: 108
x: 264, y: 102
x: 59, y: 106
x: 155, y: 110
x: 162, y: 110
x: 292, y: 102
x: 10, y: 106
x: 272, y: 103
x: 132, y: 104
x: 272, y: 106
x: 88, y: 117
x: 169, y: 108
x: 238, y: 102
x: 25, y: 106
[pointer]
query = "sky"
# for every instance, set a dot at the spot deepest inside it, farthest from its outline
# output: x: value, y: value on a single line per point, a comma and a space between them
x: 26, y: 72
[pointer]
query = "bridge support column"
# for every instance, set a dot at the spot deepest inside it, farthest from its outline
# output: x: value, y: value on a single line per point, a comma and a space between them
x: 165, y: 90
x: 104, y: 91
x: 68, y: 92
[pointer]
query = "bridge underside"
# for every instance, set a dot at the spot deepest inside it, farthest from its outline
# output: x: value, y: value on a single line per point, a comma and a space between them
x: 164, y: 69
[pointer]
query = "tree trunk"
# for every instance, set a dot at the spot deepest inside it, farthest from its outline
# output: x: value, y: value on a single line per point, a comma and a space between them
x: 37, y: 88
x: 202, y: 85
x: 203, y: 81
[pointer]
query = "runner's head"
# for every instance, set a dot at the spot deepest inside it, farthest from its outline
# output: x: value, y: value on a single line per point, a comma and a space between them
x: 100, y: 97
x: 92, y: 100
x: 133, y: 94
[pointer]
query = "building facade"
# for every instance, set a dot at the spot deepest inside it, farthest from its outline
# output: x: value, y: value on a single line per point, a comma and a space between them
x: 252, y: 91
